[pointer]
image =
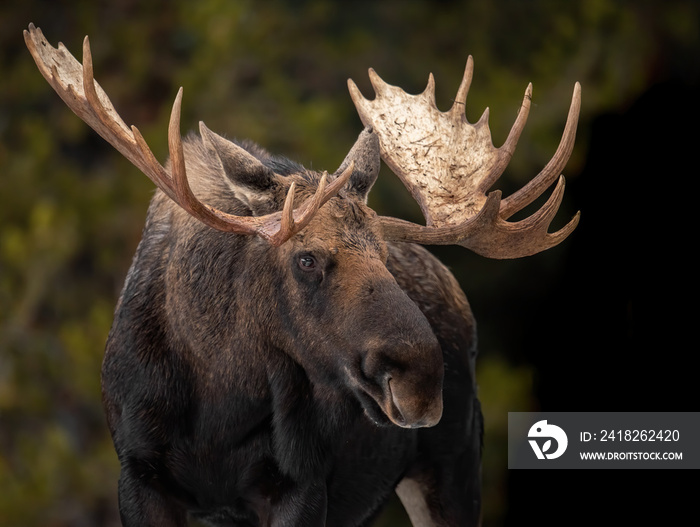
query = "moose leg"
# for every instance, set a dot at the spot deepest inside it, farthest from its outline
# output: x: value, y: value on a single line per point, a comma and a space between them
x: 414, y: 499
x: 142, y: 505
x: 428, y: 506
x: 443, y: 487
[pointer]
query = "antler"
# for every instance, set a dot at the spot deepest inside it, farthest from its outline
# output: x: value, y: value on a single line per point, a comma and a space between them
x: 75, y: 84
x: 448, y: 165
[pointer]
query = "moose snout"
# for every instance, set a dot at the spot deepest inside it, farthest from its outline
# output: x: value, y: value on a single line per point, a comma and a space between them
x: 414, y: 407
x: 398, y: 377
x: 406, y: 383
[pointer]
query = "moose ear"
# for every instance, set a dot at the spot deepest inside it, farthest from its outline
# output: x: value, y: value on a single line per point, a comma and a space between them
x: 365, y: 154
x: 247, y: 174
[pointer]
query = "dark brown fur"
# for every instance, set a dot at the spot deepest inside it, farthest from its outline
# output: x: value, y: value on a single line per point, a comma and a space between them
x: 243, y: 388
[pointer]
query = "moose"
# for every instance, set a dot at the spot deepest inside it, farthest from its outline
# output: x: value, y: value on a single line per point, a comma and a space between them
x: 282, y: 355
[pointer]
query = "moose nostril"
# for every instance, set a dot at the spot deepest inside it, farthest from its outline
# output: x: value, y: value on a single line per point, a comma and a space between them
x: 399, y: 418
x: 412, y: 403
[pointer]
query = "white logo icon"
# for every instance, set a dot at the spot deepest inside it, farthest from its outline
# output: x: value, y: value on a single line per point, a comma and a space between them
x: 542, y: 429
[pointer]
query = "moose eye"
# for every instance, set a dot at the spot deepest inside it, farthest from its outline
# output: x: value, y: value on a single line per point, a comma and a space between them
x: 307, y: 263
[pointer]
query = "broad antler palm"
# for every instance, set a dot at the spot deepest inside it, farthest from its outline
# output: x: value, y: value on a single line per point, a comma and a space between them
x: 448, y: 165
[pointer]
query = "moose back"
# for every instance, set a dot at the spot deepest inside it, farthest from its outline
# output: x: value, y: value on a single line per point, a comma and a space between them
x: 283, y: 355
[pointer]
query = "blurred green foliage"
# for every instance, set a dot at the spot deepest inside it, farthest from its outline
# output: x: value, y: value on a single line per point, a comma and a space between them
x: 71, y: 209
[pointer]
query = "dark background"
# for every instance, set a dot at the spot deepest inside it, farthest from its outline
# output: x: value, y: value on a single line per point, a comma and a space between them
x: 603, y: 322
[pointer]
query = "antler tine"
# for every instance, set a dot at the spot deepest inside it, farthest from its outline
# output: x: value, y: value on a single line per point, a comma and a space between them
x: 506, y: 150
x: 497, y: 238
x: 179, y: 185
x: 89, y: 89
x: 380, y: 87
x: 526, y: 195
x: 112, y: 122
x: 429, y: 92
x: 177, y: 154
x: 536, y: 225
x: 461, y: 97
x: 75, y: 84
x: 287, y: 223
x: 290, y: 225
x: 146, y: 161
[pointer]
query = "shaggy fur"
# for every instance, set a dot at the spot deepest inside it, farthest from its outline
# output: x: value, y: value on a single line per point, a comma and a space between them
x: 245, y: 387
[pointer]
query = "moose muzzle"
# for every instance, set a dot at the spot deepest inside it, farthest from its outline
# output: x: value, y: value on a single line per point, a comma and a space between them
x: 401, y: 370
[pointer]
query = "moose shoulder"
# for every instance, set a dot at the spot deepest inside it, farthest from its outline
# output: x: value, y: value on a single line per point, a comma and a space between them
x: 275, y: 364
